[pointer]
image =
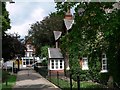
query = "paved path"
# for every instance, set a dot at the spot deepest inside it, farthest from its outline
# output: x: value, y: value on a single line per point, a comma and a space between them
x: 30, y: 80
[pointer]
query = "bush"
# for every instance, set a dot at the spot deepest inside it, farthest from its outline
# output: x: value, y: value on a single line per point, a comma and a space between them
x: 5, y: 76
x: 43, y: 71
x: 104, y: 78
x: 44, y: 63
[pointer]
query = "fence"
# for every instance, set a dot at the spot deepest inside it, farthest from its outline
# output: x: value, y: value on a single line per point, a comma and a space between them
x: 65, y: 83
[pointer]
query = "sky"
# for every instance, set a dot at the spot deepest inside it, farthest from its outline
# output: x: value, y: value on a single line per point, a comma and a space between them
x: 23, y: 13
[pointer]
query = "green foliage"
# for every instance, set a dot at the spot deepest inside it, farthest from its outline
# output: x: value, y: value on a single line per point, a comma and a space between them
x: 41, y: 32
x: 44, y: 63
x: 43, y: 71
x: 65, y: 85
x: 94, y: 32
x: 11, y: 82
x: 44, y: 51
x: 5, y: 76
x: 104, y: 78
x: 4, y: 18
x: 11, y: 46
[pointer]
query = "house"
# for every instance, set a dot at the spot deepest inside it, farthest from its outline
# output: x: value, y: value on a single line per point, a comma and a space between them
x: 29, y: 59
x: 55, y: 61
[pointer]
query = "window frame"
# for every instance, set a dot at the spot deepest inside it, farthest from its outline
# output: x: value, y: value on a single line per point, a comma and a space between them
x: 104, y: 63
x: 85, y: 63
x: 56, y: 63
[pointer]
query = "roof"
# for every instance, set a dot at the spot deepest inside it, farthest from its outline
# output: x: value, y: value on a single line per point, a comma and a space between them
x: 54, y: 53
x: 57, y: 34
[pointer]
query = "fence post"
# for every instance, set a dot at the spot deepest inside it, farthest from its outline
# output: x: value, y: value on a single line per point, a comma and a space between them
x: 58, y: 78
x: 78, y: 82
x: 70, y: 81
x: 50, y: 75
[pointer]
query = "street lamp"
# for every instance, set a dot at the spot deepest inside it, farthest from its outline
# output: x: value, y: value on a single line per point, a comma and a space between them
x: 33, y: 60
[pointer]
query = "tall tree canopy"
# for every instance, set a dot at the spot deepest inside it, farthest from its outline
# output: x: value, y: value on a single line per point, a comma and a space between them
x: 11, y: 45
x: 41, y: 32
x: 4, y: 18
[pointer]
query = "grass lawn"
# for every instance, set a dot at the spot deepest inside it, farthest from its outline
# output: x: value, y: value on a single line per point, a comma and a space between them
x: 65, y: 85
x: 10, y: 84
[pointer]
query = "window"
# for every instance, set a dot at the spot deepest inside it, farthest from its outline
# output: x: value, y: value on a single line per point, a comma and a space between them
x: 27, y: 61
x: 30, y: 54
x: 56, y: 64
x: 52, y: 64
x: 104, y: 63
x: 23, y: 63
x: 30, y: 47
x: 61, y: 64
x: 85, y: 63
x: 31, y: 61
x: 103, y: 56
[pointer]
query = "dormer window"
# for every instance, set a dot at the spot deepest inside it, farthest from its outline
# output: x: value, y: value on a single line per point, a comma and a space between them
x: 30, y: 47
x: 104, y: 63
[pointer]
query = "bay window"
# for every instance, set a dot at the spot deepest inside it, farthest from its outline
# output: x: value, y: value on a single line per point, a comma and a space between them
x: 56, y: 64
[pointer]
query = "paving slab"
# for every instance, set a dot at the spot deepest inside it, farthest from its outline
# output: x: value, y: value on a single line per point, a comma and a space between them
x: 31, y: 80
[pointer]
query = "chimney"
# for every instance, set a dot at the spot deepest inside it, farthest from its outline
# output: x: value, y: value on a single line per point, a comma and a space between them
x: 56, y: 42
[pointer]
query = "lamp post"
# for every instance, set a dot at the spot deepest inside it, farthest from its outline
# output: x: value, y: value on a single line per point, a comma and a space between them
x: 33, y: 60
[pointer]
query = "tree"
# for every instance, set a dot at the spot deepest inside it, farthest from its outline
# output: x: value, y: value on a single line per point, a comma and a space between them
x: 44, y: 51
x: 4, y: 18
x: 41, y: 32
x: 94, y: 32
x: 11, y: 44
x: 12, y: 47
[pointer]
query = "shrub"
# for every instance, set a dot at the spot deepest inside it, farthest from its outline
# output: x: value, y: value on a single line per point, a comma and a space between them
x: 5, y: 76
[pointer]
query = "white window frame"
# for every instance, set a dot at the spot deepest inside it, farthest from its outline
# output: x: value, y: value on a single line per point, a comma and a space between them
x: 104, y: 65
x: 55, y: 67
x: 30, y: 54
x: 85, y: 63
x: 62, y: 64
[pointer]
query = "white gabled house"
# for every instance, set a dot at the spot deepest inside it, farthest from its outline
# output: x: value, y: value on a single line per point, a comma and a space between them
x: 55, y: 61
x: 29, y: 59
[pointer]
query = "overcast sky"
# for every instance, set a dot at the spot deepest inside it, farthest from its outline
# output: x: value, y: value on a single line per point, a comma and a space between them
x: 23, y: 13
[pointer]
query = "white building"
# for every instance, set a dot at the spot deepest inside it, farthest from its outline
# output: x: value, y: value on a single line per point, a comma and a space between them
x: 55, y: 61
x: 30, y: 57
